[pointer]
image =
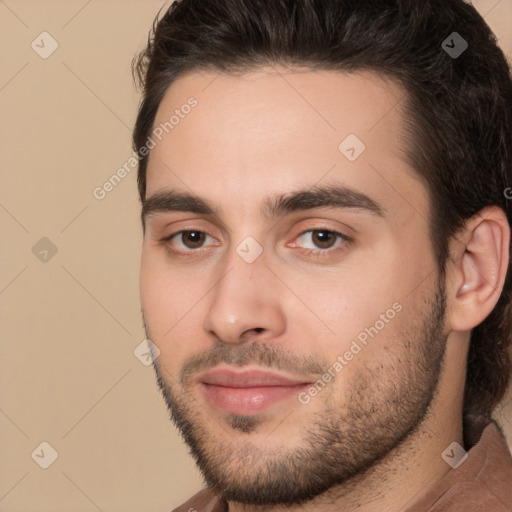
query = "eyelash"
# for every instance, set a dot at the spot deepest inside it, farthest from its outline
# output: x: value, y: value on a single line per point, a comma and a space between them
x: 309, y: 252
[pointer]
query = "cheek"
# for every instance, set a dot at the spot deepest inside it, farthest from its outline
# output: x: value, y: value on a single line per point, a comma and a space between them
x: 363, y: 303
x: 347, y: 300
x: 171, y: 301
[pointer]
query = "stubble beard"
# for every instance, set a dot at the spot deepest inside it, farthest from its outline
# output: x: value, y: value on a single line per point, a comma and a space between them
x: 385, y: 404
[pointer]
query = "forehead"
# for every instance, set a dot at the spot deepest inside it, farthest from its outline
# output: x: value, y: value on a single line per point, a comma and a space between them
x: 284, y: 127
x: 327, y: 102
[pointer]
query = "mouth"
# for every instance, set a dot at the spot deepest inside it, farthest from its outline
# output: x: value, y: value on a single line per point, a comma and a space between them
x: 249, y: 391
x: 246, y: 401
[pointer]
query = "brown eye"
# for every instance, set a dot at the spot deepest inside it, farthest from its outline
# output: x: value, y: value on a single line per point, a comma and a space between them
x: 321, y: 239
x: 324, y: 239
x: 192, y: 239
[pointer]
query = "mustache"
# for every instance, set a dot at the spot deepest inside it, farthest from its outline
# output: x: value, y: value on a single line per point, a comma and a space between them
x: 255, y: 353
x: 258, y: 354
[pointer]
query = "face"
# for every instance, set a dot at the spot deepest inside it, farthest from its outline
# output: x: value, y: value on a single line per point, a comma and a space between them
x: 305, y: 255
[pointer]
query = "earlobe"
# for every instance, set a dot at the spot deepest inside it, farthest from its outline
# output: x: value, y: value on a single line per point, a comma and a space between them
x: 480, y: 268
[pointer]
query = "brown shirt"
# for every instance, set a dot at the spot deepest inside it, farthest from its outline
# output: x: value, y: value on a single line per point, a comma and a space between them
x: 482, y: 483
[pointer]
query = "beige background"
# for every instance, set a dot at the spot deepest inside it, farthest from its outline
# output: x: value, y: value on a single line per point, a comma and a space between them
x: 68, y: 373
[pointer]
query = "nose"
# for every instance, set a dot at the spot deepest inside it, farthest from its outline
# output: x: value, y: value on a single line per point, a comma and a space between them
x: 245, y: 304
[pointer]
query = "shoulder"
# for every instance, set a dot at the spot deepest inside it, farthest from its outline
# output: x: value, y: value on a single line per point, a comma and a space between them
x: 204, y: 500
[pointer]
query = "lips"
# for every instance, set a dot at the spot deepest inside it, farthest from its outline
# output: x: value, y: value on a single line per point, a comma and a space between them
x: 247, y: 379
x: 247, y: 392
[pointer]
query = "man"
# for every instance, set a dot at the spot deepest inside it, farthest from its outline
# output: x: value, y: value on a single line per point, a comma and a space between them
x: 325, y: 273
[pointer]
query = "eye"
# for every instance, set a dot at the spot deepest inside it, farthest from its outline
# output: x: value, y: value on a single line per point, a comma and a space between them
x: 187, y: 240
x: 323, y: 241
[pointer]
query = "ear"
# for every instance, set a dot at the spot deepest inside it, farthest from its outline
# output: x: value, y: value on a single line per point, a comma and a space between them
x: 477, y: 267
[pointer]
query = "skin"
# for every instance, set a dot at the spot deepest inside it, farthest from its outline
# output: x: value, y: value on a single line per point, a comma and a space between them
x: 372, y: 438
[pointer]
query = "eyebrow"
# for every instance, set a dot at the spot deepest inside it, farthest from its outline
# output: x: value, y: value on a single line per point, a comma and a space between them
x: 328, y: 196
